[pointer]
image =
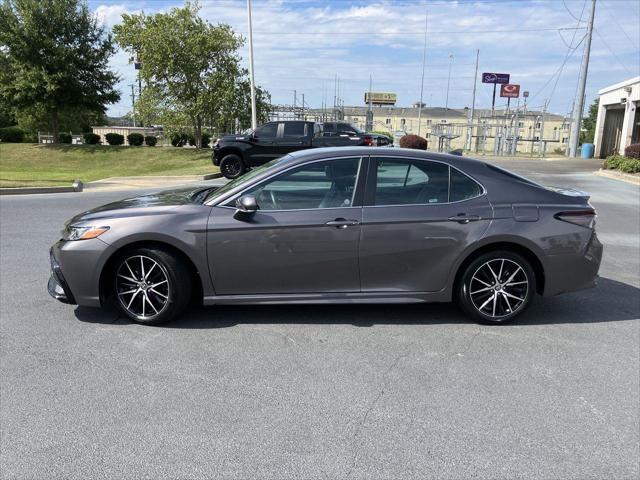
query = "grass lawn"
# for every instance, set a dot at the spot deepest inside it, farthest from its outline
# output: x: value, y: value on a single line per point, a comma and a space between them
x: 29, y: 164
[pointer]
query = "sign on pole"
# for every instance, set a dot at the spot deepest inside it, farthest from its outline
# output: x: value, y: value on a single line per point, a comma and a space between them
x: 495, y: 77
x: 509, y: 91
x: 525, y: 94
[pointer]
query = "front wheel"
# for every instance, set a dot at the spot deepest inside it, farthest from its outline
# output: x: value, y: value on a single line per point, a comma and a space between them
x: 151, y: 285
x: 496, y: 287
x: 232, y: 166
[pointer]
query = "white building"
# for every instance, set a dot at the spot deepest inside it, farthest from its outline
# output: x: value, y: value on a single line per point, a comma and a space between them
x: 618, y: 123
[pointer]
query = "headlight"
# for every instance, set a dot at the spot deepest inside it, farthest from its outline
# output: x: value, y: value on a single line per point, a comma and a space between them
x: 74, y: 232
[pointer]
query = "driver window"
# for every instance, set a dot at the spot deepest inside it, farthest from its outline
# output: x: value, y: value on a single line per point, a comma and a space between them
x: 268, y: 130
x: 328, y: 184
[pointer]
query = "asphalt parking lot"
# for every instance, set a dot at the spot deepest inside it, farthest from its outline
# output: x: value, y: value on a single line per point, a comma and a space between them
x: 322, y: 392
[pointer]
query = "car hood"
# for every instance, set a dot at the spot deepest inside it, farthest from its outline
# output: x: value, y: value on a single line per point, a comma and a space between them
x: 149, y: 204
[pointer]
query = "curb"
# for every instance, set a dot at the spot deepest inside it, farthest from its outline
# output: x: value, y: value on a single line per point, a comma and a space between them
x: 76, y: 187
x: 621, y: 176
x: 79, y: 187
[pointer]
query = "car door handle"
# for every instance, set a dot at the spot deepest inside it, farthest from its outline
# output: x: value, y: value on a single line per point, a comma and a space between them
x: 464, y: 218
x: 342, y: 223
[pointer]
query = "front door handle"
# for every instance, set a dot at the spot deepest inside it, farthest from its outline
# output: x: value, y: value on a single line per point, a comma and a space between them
x: 464, y: 218
x: 342, y: 223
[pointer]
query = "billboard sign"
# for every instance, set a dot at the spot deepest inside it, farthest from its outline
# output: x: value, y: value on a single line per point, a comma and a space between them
x: 509, y: 90
x: 380, y: 98
x: 495, y: 77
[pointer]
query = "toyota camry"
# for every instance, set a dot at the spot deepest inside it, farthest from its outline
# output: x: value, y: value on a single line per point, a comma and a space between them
x: 340, y: 225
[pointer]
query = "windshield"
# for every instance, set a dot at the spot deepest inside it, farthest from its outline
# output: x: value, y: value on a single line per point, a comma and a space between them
x: 254, y: 172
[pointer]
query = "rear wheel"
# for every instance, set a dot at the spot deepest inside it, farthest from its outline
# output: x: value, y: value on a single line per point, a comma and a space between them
x: 150, y: 285
x: 232, y: 166
x: 496, y: 287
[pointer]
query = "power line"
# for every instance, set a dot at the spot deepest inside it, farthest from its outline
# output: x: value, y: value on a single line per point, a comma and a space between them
x: 519, y: 30
x: 613, y: 53
x: 617, y: 23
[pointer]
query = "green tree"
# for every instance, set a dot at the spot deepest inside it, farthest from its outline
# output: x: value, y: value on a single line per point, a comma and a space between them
x: 191, y: 68
x: 56, y: 58
x: 588, y: 131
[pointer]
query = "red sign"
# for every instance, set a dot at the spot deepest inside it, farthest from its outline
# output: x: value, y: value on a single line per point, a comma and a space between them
x: 509, y: 90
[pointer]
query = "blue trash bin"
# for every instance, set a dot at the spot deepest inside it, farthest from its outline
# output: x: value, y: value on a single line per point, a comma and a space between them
x: 587, y: 150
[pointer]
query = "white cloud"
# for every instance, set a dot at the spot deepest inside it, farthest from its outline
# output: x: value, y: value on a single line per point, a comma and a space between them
x: 356, y: 40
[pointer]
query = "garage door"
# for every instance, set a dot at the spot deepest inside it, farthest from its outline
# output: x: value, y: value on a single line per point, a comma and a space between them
x: 612, y: 132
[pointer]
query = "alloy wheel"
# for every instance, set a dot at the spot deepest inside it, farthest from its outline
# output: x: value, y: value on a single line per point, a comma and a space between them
x: 499, y: 288
x: 142, y: 287
x: 232, y: 168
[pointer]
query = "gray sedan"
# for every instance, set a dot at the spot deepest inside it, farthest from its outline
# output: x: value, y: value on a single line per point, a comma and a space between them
x: 344, y: 225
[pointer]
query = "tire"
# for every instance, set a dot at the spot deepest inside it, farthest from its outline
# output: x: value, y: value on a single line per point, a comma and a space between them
x: 232, y: 166
x: 486, y: 301
x: 166, y: 286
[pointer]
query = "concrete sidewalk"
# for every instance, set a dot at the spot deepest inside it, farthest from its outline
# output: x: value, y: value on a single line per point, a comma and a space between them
x: 163, y: 181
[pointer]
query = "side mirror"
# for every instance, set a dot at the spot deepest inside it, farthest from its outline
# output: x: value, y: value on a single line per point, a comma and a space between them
x: 246, y: 205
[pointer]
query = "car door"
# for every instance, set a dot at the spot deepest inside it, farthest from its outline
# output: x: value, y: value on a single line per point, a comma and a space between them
x: 303, y: 238
x: 292, y: 136
x: 262, y: 144
x: 418, y: 217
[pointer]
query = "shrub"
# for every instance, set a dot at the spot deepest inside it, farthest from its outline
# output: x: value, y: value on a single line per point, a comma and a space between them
x: 181, y: 139
x: 624, y: 164
x: 150, y: 140
x: 65, y: 137
x: 114, y: 138
x: 135, y: 139
x: 11, y: 134
x: 206, y: 140
x: 413, y: 141
x: 91, y: 138
x: 632, y: 151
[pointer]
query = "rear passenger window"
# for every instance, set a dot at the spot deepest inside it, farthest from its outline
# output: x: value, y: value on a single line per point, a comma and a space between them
x: 462, y: 187
x: 411, y: 182
x: 294, y: 129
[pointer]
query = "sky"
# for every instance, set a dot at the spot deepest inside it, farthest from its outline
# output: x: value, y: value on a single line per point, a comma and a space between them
x: 303, y: 45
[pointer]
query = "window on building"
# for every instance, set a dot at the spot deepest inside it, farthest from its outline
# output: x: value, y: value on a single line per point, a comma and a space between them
x: 564, y: 139
x: 538, y: 125
x: 388, y: 121
x: 428, y: 122
x: 403, y: 121
x: 521, y: 124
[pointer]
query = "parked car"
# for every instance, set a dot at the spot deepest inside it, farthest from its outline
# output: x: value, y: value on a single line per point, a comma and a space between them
x: 351, y: 225
x: 235, y: 154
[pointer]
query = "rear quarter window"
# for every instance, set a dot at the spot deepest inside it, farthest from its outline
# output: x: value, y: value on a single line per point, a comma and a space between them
x: 462, y: 187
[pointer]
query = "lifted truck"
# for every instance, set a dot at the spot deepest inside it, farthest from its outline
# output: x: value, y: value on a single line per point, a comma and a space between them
x: 235, y: 154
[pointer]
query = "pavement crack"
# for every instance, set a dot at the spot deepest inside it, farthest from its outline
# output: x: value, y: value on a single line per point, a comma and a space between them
x: 360, y: 426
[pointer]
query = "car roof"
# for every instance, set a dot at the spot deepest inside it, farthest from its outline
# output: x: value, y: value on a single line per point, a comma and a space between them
x: 302, y: 156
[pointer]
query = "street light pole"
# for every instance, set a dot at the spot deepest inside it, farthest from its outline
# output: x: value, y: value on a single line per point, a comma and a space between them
x: 424, y: 58
x: 254, y: 116
x: 446, y: 103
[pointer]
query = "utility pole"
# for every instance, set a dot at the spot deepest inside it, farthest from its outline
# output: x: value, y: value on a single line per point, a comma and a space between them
x: 303, y: 107
x: 133, y: 103
x: 369, y: 124
x: 424, y: 58
x: 473, y: 103
x: 254, y: 116
x: 446, y: 103
x: 578, y: 105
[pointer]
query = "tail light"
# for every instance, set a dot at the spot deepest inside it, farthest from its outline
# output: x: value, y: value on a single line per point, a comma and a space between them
x: 368, y: 141
x: 584, y: 218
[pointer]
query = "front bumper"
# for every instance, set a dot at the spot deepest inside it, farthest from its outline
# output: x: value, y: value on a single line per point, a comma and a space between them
x: 215, y: 156
x: 57, y: 285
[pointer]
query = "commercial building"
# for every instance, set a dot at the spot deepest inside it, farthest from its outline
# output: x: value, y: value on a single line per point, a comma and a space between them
x: 124, y: 131
x: 618, y: 123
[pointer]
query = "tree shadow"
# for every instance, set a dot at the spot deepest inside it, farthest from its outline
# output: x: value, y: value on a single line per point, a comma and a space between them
x: 610, y: 301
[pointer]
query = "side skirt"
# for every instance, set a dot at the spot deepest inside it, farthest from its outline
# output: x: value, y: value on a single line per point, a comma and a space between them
x: 324, y: 298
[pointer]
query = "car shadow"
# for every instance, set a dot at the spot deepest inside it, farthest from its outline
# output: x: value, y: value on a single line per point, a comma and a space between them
x: 610, y: 301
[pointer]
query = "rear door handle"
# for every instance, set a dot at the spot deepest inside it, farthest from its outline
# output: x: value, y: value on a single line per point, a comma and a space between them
x: 341, y: 223
x: 464, y: 218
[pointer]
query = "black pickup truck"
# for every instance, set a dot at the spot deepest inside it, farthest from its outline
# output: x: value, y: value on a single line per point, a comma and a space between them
x: 234, y: 154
